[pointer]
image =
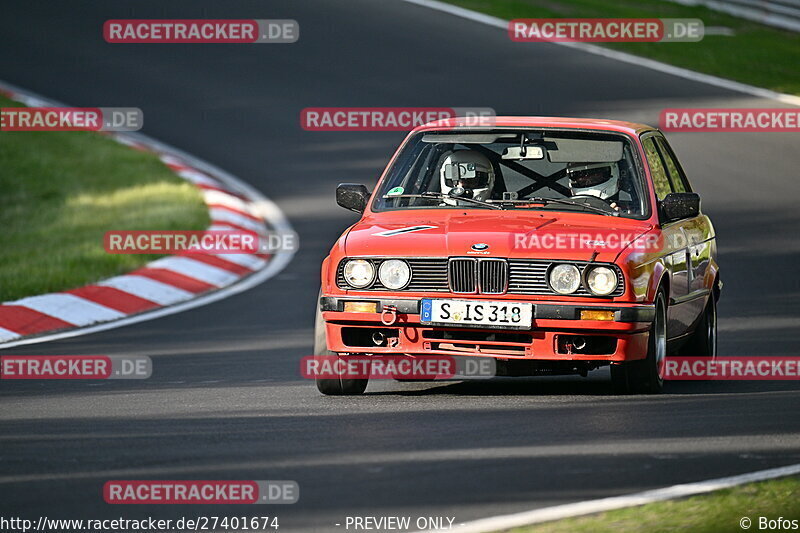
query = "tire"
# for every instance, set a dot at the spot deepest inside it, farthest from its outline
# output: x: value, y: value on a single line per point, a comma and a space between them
x: 333, y: 387
x: 619, y: 378
x: 645, y: 376
x: 703, y: 340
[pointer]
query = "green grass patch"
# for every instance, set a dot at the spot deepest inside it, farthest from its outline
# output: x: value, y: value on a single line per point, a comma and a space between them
x: 61, y: 191
x: 708, y: 513
x: 758, y: 55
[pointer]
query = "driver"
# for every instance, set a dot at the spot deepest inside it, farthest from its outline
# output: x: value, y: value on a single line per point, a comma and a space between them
x: 466, y: 174
x: 594, y: 179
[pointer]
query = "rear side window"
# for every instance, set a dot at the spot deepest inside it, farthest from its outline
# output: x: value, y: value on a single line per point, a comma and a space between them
x: 660, y: 180
x: 676, y: 175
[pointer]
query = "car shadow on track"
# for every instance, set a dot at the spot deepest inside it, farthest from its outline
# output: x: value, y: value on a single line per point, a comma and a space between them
x: 570, y: 386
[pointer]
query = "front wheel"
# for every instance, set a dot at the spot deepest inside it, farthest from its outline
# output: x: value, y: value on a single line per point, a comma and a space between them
x: 340, y: 386
x: 646, y: 376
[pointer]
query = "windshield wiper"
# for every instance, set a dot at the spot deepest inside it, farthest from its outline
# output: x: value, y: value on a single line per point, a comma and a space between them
x: 442, y: 196
x: 563, y: 201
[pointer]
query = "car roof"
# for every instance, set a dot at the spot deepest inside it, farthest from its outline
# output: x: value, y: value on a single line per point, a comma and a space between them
x: 460, y: 123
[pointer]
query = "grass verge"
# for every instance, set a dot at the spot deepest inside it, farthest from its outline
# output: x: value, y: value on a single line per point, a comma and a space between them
x: 707, y: 513
x: 756, y: 54
x: 61, y: 191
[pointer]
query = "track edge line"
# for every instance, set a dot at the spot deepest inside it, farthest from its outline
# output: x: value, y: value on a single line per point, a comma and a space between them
x: 588, y: 507
x: 624, y: 57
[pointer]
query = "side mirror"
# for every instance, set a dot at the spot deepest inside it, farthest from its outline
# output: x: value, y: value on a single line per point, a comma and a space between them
x: 680, y: 205
x: 352, y: 196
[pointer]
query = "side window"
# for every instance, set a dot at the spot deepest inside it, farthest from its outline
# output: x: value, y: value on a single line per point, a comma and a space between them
x: 676, y: 175
x: 660, y: 180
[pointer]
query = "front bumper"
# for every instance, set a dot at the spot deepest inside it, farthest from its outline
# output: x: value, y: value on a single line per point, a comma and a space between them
x: 556, y: 333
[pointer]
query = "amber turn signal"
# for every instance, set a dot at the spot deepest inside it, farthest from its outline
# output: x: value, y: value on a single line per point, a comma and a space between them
x: 591, y: 314
x: 360, y: 307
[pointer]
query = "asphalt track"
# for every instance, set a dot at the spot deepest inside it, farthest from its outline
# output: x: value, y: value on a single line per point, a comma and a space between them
x: 226, y: 400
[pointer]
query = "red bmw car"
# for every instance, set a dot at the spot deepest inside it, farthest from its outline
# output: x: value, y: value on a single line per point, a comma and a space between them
x: 553, y: 245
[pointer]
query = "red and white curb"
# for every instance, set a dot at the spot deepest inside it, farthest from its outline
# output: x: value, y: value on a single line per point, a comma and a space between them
x: 167, y: 285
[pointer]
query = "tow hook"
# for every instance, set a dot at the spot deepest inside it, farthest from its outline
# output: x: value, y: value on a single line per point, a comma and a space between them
x: 389, y: 315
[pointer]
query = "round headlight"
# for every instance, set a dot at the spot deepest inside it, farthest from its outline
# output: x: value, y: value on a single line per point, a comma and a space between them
x: 359, y: 273
x: 394, y: 274
x: 602, y: 280
x: 565, y: 279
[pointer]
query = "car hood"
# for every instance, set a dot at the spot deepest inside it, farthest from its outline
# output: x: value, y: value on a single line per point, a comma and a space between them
x: 531, y: 234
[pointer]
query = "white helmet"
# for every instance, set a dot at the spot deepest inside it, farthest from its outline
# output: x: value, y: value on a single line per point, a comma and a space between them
x: 471, y: 171
x: 594, y: 179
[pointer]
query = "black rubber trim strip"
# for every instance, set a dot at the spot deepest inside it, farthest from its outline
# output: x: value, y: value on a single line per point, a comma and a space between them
x: 332, y: 303
x: 689, y: 297
x: 642, y: 313
x: 572, y: 312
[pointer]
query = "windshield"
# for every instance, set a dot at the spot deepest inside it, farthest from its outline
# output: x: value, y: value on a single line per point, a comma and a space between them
x: 565, y: 171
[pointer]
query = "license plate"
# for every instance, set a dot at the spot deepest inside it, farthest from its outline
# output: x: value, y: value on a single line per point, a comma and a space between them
x: 506, y: 315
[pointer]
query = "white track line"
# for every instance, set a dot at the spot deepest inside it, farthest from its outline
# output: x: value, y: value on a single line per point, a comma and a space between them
x: 264, y: 207
x: 570, y: 510
x: 619, y: 56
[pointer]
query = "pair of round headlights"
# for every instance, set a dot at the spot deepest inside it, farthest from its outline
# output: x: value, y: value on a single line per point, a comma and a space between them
x: 393, y: 273
x: 566, y: 279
